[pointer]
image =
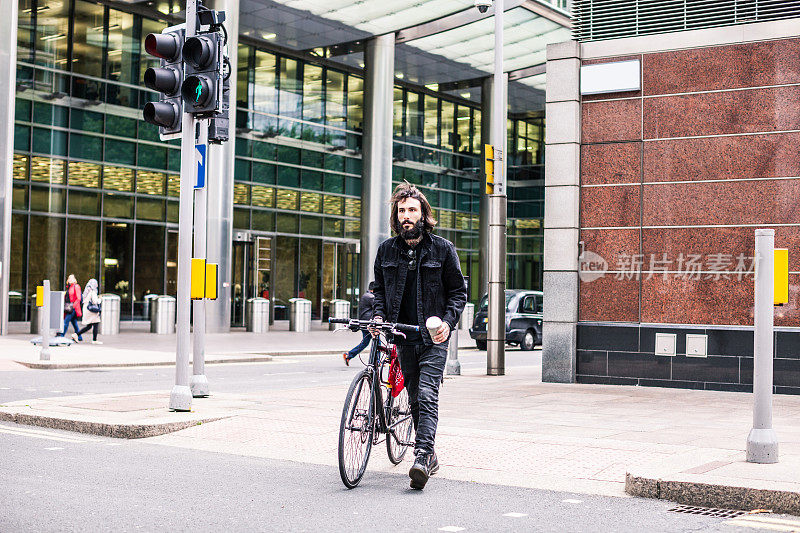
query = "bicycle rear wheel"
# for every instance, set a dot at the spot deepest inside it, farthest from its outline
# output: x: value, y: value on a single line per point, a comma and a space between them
x: 356, y: 430
x: 400, y: 427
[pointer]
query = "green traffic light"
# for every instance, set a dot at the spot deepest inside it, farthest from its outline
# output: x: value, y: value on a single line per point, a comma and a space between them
x: 199, y: 91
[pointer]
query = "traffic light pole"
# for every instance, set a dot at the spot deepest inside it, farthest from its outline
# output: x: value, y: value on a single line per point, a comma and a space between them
x: 496, y: 327
x: 199, y: 383
x: 180, y: 399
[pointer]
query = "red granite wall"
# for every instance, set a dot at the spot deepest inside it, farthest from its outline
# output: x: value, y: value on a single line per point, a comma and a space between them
x: 676, y: 177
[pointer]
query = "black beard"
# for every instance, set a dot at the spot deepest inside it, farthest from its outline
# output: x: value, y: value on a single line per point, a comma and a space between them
x: 413, y: 233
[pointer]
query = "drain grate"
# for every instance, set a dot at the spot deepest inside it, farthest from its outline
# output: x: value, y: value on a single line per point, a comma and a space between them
x: 707, y: 511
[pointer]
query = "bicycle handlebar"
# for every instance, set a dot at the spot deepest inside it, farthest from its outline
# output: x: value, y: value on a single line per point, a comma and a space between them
x: 365, y: 324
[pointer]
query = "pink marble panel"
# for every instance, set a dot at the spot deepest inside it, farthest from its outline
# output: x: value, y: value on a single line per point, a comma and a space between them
x: 611, y: 163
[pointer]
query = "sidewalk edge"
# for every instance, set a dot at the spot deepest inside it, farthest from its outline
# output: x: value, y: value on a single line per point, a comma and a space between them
x: 707, y: 495
x: 118, y: 431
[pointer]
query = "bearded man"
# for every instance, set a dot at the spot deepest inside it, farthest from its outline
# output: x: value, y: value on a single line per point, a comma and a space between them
x: 418, y: 276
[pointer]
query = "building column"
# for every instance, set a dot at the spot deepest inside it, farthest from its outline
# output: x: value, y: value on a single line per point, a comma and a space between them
x: 8, y: 78
x: 376, y: 187
x: 561, y: 215
x: 219, y: 242
x: 487, y: 95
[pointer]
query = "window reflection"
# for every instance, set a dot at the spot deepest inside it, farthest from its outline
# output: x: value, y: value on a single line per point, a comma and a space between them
x: 291, y: 98
x: 87, y: 38
x: 149, y: 273
x: 52, y: 26
x: 431, y: 125
x: 117, y: 262
x: 83, y: 249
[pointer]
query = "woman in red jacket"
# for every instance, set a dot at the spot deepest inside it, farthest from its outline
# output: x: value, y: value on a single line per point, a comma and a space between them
x: 72, y: 308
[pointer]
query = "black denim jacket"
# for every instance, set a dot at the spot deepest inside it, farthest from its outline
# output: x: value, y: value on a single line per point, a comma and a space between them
x: 440, y: 289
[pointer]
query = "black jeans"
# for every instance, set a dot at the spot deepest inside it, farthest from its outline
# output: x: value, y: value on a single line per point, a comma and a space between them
x: 94, y: 327
x: 423, y: 368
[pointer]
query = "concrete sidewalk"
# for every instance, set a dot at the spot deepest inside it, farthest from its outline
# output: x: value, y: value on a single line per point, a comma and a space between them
x: 136, y: 346
x: 683, y: 445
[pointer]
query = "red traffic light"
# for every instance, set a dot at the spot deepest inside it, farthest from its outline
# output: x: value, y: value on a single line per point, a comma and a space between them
x: 167, y: 46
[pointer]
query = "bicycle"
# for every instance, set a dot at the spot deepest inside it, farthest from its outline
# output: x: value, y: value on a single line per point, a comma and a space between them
x: 363, y: 423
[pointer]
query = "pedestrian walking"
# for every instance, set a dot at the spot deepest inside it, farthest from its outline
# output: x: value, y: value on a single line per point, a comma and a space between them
x: 72, y: 308
x: 91, y: 310
x: 418, y: 276
x: 366, y: 308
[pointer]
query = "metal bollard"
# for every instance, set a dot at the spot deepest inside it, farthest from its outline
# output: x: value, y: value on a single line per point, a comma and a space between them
x: 467, y: 317
x: 257, y: 315
x: 109, y: 314
x: 163, y: 322
x: 453, y: 366
x: 338, y: 309
x: 299, y: 314
x: 762, y: 442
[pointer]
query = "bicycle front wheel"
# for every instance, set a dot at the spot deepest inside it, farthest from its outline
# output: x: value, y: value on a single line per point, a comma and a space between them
x: 400, y: 427
x: 356, y: 430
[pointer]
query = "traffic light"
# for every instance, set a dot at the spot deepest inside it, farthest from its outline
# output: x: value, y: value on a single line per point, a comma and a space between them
x: 167, y: 113
x: 202, y: 86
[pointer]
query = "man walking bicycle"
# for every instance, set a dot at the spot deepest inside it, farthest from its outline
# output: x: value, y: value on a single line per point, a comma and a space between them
x: 418, y: 276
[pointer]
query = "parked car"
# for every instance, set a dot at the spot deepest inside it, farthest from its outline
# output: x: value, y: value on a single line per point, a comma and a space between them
x: 523, y: 319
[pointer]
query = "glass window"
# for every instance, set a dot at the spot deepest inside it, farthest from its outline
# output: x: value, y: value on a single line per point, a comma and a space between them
x: 476, y: 132
x: 85, y: 147
x: 121, y: 126
x: 286, y: 223
x: 289, y: 176
x: 352, y: 229
x: 263, y: 150
x: 173, y: 185
x: 449, y: 139
x: 334, y: 162
x: 84, y: 203
x: 172, y: 211
x: 20, y: 167
x: 413, y: 117
x: 241, y: 194
x: 355, y: 103
x: 47, y: 141
x: 151, y: 156
x: 289, y: 154
x: 398, y: 112
x: 262, y: 196
x: 264, y: 94
x: 117, y: 262
x: 333, y: 227
x: 285, y: 271
x: 264, y: 173
x: 84, y: 174
x: 117, y: 206
x: 462, y: 129
x: 332, y: 205
x: 52, y: 26
x: 47, y: 170
x: 52, y: 115
x: 310, y: 179
x: 150, y: 209
x: 241, y: 218
x: 352, y: 186
x: 22, y: 139
x: 311, y: 158
x: 121, y: 152
x: 352, y: 207
x: 310, y: 201
x: 243, y: 76
x: 87, y: 38
x: 431, y: 127
x: 311, y: 225
x: 334, y: 183
x: 149, y: 260
x: 19, y: 246
x: 19, y: 197
x: 47, y: 199
x: 118, y: 178
x: 263, y: 220
x: 123, y: 50
x: 286, y: 199
x: 46, y: 251
x: 150, y: 182
x: 25, y: 31
x: 335, y: 112
x: 312, y: 93
x: 291, y: 98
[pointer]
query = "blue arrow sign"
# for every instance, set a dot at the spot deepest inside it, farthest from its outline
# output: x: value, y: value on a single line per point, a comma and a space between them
x: 200, y: 156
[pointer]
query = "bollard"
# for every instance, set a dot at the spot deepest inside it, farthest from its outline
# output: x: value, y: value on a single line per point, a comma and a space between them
x: 453, y: 366
x: 110, y: 308
x: 338, y: 309
x: 299, y: 314
x: 163, y: 322
x: 762, y: 442
x: 44, y: 355
x: 257, y: 315
x: 467, y: 317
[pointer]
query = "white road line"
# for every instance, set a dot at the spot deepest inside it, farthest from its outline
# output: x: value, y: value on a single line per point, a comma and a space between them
x: 56, y: 391
x: 54, y: 448
x: 5, y: 388
x: 758, y: 522
x: 42, y: 434
x: 451, y: 528
x: 572, y: 501
x: 284, y: 373
x: 516, y: 515
x: 31, y: 390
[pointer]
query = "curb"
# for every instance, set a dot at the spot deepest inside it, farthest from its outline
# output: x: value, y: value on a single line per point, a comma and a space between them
x: 707, y: 495
x: 118, y: 431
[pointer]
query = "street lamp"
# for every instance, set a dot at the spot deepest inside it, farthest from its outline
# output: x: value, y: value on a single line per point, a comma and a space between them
x: 496, y: 327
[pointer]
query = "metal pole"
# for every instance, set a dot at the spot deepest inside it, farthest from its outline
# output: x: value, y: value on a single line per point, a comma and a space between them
x: 453, y: 366
x: 496, y: 328
x: 180, y: 399
x: 199, y: 382
x: 44, y: 355
x: 762, y: 442
x: 8, y: 79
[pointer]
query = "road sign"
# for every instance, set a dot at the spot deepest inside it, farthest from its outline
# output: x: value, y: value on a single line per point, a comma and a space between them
x: 200, y: 155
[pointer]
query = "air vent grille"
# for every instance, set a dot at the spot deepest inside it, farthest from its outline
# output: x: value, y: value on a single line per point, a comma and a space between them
x: 613, y: 19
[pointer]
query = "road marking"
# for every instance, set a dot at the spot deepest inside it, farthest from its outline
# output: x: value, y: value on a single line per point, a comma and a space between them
x: 516, y: 515
x: 572, y: 501
x: 284, y: 373
x: 54, y: 448
x: 56, y: 391
x: 451, y: 528
x: 31, y: 390
x: 5, y: 388
x: 758, y: 522
x: 41, y: 434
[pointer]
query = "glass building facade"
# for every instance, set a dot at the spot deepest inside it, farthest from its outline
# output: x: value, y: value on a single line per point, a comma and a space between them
x: 95, y: 190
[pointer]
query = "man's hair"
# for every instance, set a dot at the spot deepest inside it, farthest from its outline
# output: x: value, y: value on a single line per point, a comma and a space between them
x: 403, y: 192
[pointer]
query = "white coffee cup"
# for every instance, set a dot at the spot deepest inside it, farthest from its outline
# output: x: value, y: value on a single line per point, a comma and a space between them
x: 433, y: 324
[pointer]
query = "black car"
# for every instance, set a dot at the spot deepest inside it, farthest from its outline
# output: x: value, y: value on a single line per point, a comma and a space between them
x: 523, y: 319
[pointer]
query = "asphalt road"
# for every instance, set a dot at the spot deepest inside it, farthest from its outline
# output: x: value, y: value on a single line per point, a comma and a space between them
x: 60, y: 481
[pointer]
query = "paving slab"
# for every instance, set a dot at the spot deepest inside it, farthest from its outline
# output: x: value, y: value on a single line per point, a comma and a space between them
x: 686, y: 446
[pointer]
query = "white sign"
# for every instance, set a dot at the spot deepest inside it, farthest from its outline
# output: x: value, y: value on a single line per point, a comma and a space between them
x: 614, y: 77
